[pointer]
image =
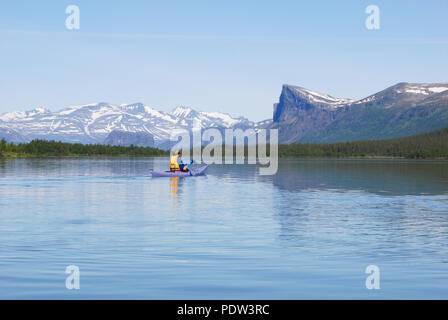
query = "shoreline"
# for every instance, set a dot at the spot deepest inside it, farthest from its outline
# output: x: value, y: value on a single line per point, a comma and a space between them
x: 30, y: 156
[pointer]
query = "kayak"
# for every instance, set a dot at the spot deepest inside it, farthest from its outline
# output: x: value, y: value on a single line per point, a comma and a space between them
x: 195, y: 172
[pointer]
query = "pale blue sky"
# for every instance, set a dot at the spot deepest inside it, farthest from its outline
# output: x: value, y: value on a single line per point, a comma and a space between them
x: 230, y: 56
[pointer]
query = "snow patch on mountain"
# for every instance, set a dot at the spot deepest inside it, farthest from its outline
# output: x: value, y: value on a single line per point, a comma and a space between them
x: 181, y: 112
x: 438, y: 89
x: 422, y: 89
x: 92, y: 123
x: 15, y: 115
x: 320, y: 98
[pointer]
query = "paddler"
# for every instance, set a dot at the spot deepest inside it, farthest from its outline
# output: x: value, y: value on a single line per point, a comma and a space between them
x: 176, y: 163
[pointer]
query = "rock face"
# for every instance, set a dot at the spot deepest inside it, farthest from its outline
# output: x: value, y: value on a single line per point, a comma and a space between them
x: 302, y: 115
x: 123, y: 138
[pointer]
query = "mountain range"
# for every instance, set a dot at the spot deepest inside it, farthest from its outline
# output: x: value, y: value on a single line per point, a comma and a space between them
x: 301, y: 115
x: 113, y: 124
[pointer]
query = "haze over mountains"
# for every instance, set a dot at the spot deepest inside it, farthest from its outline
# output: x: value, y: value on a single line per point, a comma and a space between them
x: 301, y: 115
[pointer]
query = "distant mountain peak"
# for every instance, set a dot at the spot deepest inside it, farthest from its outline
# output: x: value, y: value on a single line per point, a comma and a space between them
x: 317, y: 97
x: 93, y: 122
x: 422, y: 88
x: 137, y: 107
x: 182, y: 111
x: 15, y: 115
x: 41, y: 110
x: 303, y: 115
x: 132, y: 105
x: 74, y: 108
x: 404, y: 94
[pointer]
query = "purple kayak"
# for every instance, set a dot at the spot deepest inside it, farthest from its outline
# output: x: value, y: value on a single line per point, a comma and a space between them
x: 195, y: 172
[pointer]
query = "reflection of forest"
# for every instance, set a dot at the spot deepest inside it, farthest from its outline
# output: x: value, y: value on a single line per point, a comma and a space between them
x: 380, y: 218
x: 393, y: 177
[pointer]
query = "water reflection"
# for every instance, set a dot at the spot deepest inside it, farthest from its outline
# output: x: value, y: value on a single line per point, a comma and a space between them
x: 306, y: 232
x: 78, y: 166
x: 352, y: 208
x: 175, y: 191
x: 385, y: 177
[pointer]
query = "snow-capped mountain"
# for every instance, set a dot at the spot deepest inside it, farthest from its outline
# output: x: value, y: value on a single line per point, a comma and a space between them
x: 321, y: 99
x: 302, y: 115
x: 404, y: 94
x: 92, y: 123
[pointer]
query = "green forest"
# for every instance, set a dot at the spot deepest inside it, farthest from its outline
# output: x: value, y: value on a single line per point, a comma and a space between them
x: 42, y: 148
x: 430, y: 145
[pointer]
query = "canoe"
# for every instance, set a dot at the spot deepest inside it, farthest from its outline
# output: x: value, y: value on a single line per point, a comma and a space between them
x: 192, y: 172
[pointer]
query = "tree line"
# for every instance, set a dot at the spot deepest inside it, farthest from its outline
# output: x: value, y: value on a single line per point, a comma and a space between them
x: 428, y: 145
x: 56, y: 148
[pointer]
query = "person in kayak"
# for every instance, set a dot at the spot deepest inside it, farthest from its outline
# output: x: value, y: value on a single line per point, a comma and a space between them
x: 176, y: 163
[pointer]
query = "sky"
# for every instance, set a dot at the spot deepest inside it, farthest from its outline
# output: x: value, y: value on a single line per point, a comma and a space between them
x: 228, y: 56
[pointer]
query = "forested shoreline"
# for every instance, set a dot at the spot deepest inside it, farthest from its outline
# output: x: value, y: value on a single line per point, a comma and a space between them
x: 43, y: 148
x: 430, y: 145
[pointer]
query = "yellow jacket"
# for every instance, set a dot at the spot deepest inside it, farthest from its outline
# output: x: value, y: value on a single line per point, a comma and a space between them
x: 174, y: 166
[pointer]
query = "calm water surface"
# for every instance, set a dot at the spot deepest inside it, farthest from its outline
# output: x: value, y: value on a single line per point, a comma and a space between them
x: 308, y: 232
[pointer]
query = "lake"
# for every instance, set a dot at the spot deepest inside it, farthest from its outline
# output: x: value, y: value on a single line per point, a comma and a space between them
x: 308, y: 232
